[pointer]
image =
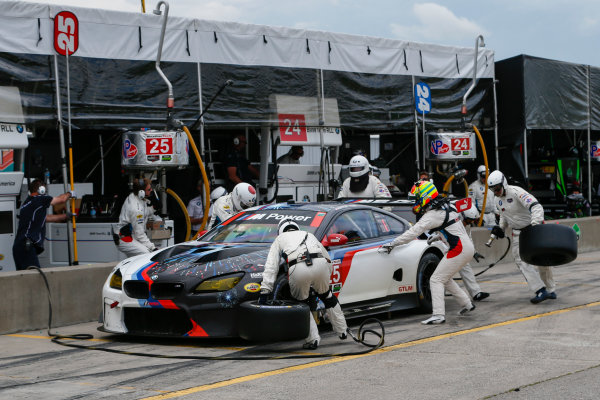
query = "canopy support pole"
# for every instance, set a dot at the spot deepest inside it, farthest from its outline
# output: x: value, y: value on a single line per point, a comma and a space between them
x: 589, y: 144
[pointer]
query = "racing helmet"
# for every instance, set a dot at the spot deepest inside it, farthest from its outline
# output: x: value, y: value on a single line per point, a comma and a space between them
x: 287, y: 224
x: 243, y: 196
x: 495, y: 180
x: 423, y: 193
x: 217, y: 192
x: 358, y: 166
x: 481, y: 171
x: 471, y: 213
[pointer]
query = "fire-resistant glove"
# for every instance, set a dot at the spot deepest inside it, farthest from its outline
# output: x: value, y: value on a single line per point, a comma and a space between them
x: 386, y: 247
x: 498, y: 232
x: 433, y: 238
x: 478, y: 256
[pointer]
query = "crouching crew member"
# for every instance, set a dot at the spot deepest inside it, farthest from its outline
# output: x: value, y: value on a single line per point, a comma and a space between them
x: 309, y: 267
x: 439, y: 216
x: 518, y: 209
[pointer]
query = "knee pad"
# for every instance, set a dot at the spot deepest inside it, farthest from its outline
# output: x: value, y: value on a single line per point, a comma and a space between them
x: 328, y: 299
x: 312, y: 301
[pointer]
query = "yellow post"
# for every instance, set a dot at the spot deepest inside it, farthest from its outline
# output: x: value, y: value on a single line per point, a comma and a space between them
x: 75, y: 256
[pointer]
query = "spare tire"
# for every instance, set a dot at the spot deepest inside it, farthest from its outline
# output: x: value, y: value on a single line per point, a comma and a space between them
x: 281, y: 320
x: 548, y: 244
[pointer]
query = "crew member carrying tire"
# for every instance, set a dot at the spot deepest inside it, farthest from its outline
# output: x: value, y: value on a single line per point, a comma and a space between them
x: 309, y: 267
x: 361, y: 183
x: 439, y: 217
x: 241, y: 197
x: 518, y: 209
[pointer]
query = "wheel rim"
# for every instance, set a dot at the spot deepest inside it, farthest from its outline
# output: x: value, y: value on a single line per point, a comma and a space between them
x: 426, y: 273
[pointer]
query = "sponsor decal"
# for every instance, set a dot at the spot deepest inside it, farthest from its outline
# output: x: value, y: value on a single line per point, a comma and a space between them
x: 252, y: 287
x: 139, y: 216
x: 152, y: 158
x: 528, y: 200
x: 403, y: 289
x: 336, y: 287
x: 500, y: 202
x: 279, y: 217
x: 255, y: 275
x: 509, y: 200
x: 20, y: 128
x: 439, y: 147
x: 336, y: 261
x: 129, y: 149
x: 166, y: 158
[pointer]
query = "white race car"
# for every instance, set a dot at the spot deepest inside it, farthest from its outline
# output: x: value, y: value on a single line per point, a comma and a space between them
x: 197, y: 288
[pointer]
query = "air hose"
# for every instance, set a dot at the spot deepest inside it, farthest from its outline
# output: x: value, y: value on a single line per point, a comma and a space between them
x: 185, y: 213
x: 204, y: 178
x: 494, y: 263
x: 360, y: 338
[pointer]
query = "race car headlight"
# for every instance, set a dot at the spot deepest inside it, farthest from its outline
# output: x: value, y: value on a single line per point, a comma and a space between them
x: 116, y: 280
x: 219, y: 283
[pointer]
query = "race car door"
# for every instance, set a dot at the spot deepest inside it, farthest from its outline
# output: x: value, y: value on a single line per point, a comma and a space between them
x: 360, y: 271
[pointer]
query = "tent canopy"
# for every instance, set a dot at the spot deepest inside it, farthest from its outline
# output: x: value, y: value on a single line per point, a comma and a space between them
x: 114, y: 83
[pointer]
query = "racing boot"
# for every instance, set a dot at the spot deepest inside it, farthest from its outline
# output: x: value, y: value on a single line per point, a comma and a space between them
x: 480, y: 296
x: 540, y: 296
x: 466, y: 309
x: 347, y: 333
x: 311, y: 345
x: 552, y: 296
x: 434, y: 319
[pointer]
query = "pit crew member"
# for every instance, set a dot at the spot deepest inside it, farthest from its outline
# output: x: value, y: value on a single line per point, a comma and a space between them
x: 518, y: 209
x: 361, y: 183
x: 439, y: 217
x: 309, y: 267
x: 241, y: 197
x: 476, y: 191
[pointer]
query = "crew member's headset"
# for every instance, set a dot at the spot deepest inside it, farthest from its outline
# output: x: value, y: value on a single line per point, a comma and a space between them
x: 142, y: 187
x: 42, y: 190
x: 236, y: 141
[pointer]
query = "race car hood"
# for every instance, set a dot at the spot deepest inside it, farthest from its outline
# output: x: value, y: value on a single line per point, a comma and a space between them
x: 201, y: 261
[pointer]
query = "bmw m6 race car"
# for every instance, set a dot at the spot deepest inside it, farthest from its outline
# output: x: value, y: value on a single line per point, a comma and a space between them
x: 196, y: 288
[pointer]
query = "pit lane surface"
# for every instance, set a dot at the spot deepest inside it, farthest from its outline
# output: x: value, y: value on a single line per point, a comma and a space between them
x: 506, y: 348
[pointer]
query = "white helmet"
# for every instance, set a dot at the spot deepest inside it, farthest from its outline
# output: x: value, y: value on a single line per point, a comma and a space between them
x: 497, y: 178
x: 287, y: 224
x: 243, y: 196
x: 471, y: 213
x: 217, y: 192
x: 481, y: 170
x: 358, y: 166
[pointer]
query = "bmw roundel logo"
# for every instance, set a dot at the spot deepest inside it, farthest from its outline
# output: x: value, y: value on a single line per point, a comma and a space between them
x: 154, y: 277
x: 20, y: 128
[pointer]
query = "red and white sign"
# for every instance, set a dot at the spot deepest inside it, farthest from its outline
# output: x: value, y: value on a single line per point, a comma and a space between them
x: 66, y: 33
x: 463, y: 204
x: 460, y: 144
x: 160, y: 145
x: 292, y: 128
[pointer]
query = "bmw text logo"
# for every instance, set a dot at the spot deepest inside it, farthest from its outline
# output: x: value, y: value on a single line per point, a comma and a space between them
x: 154, y: 277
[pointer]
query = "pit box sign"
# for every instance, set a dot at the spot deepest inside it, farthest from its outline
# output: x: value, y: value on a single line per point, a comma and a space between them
x: 293, y: 131
x: 153, y: 149
x: 422, y: 98
x: 448, y: 146
x: 66, y: 33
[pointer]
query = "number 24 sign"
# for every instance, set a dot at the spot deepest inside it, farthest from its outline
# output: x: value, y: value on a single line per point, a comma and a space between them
x: 292, y: 128
x: 66, y: 33
x: 459, y: 144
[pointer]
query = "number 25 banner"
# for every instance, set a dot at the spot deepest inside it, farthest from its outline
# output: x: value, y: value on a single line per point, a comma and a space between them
x: 66, y: 33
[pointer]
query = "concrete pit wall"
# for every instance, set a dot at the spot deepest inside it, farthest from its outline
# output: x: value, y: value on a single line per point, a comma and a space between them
x: 77, y: 290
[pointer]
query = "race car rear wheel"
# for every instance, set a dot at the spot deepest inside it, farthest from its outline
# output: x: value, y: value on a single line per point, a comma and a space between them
x: 548, y: 244
x: 281, y: 320
x: 427, y: 266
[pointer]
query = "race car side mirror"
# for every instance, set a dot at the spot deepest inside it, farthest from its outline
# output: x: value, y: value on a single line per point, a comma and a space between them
x: 334, y: 239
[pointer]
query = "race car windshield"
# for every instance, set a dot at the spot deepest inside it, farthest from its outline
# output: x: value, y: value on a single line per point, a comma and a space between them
x: 261, y: 227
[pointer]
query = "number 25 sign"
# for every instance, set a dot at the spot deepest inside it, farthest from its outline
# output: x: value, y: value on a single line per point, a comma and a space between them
x: 66, y: 33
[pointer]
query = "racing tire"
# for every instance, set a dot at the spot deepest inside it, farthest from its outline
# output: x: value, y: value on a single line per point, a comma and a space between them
x: 427, y: 266
x: 548, y: 245
x: 279, y: 321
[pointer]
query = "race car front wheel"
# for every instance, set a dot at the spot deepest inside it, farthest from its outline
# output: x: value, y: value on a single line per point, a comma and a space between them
x: 281, y: 320
x: 427, y: 266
